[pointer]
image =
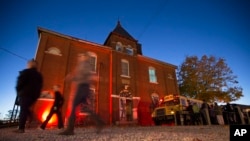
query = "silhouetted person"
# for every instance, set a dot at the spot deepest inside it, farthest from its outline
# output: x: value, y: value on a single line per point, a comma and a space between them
x: 196, y: 111
x: 230, y: 114
x: 190, y: 117
x: 218, y: 114
x: 212, y: 114
x: 29, y: 85
x: 55, y: 109
x: 82, y: 76
x: 204, y: 112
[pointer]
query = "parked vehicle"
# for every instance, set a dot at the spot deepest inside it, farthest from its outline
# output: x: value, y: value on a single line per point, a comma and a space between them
x: 173, y: 108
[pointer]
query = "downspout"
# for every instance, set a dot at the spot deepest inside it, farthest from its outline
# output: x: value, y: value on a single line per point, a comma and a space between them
x: 110, y: 87
x: 98, y: 86
x: 66, y: 112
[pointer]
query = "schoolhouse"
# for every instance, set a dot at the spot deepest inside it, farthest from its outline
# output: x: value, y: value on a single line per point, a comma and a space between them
x: 127, y: 81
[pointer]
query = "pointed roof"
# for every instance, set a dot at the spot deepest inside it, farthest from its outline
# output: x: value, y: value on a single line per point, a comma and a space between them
x: 121, y: 31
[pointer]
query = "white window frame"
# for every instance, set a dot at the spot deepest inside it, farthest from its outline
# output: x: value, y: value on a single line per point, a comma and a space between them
x: 152, y: 75
x: 119, y: 47
x: 93, y: 55
x: 124, y: 61
x: 129, y: 50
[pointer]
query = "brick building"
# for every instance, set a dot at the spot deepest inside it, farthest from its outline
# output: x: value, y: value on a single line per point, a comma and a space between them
x: 121, y: 68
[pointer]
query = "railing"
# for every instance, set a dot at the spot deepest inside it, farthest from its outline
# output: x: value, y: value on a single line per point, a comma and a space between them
x: 8, y: 123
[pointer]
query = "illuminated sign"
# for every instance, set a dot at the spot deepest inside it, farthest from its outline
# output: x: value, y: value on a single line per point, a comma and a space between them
x: 168, y: 98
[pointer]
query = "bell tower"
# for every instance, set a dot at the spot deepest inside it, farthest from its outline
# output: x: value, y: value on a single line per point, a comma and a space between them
x: 120, y: 40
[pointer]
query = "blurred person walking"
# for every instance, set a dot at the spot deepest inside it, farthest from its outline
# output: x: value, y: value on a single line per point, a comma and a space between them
x: 55, y: 109
x: 82, y: 76
x: 28, y: 87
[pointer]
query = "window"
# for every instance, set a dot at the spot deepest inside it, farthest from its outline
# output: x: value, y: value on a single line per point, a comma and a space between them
x: 54, y: 51
x: 91, y: 101
x: 183, y: 102
x: 92, y: 61
x: 152, y: 75
x: 129, y: 50
x: 125, y: 67
x: 170, y: 76
x: 155, y: 99
x: 118, y: 46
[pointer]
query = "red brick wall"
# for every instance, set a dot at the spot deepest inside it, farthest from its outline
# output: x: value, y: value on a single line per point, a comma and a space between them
x: 55, y: 68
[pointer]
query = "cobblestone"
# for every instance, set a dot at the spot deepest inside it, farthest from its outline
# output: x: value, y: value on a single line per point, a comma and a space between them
x: 135, y: 133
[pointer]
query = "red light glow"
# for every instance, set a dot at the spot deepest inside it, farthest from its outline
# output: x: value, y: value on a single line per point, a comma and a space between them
x: 53, y: 119
x: 42, y: 109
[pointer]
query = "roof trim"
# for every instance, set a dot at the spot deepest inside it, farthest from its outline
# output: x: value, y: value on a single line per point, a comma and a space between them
x: 40, y: 29
x: 157, y: 61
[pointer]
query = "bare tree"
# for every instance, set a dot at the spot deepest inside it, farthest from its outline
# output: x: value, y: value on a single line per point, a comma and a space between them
x: 11, y: 113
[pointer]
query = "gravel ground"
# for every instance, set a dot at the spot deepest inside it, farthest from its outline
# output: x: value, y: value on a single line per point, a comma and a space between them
x: 135, y: 133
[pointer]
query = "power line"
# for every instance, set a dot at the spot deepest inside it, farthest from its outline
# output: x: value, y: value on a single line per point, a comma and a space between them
x: 152, y: 18
x: 14, y: 54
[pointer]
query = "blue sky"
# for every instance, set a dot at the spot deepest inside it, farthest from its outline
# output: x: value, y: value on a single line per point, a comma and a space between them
x: 169, y: 30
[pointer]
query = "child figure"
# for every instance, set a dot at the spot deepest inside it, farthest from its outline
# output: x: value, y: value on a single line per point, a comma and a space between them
x: 56, y: 108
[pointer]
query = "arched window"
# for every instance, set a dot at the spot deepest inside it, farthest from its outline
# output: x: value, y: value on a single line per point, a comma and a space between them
x: 155, y: 100
x: 119, y: 46
x: 54, y: 51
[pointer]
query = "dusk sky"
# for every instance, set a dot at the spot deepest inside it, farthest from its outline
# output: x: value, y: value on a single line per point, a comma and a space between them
x: 169, y: 30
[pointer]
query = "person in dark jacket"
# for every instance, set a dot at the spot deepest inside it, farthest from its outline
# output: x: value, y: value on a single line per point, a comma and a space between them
x: 28, y: 87
x: 190, y: 116
x: 230, y: 114
x: 204, y: 112
x: 55, y: 109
